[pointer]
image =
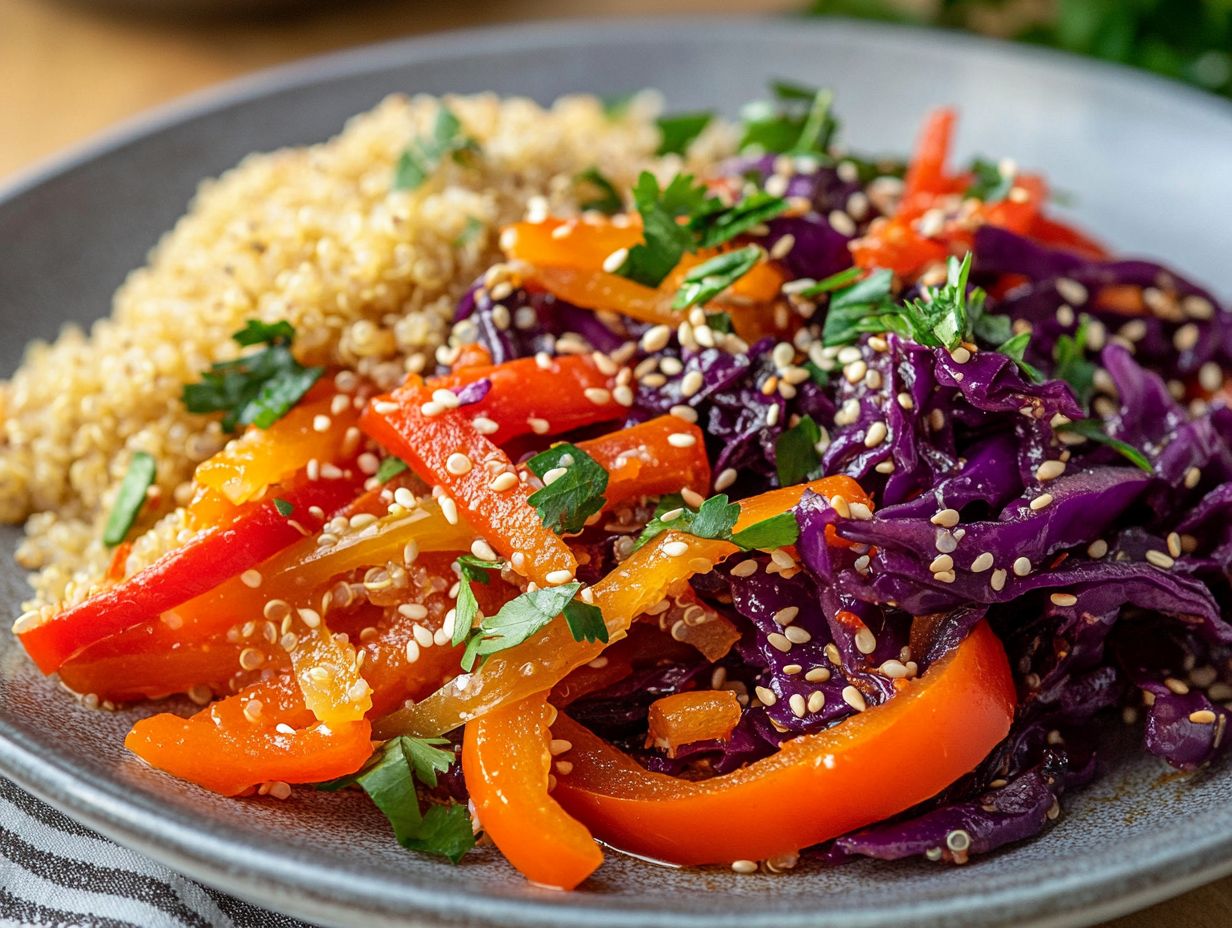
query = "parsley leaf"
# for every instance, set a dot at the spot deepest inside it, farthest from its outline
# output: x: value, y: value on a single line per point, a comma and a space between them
x: 1093, y: 431
x: 988, y: 183
x: 710, y: 278
x: 517, y: 620
x: 1015, y: 348
x: 717, y: 225
x: 607, y: 201
x: 585, y: 621
x: 572, y: 497
x: 255, y: 389
x: 469, y: 232
x: 129, y: 498
x: 795, y: 452
x: 476, y: 568
x: 774, y: 532
x: 946, y: 319
x: 390, y: 468
x: 833, y: 282
x: 1071, y: 364
x: 664, y: 239
x: 425, y: 154
x: 715, y: 518
x: 719, y: 322
x: 799, y: 123
x: 864, y: 306
x: 465, y: 610
x: 677, y: 132
x: 390, y: 783
x: 284, y: 507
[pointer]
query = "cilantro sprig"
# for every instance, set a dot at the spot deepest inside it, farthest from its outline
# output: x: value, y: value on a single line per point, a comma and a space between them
x: 130, y: 498
x: 716, y: 518
x: 424, y: 154
x: 665, y: 240
x: 575, y: 494
x: 524, y: 615
x: 389, y: 780
x: 254, y: 389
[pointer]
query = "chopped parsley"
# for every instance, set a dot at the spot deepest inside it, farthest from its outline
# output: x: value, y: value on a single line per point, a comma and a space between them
x: 865, y: 306
x: 585, y: 621
x: 573, y: 496
x: 130, y: 498
x: 476, y: 568
x: 284, y: 507
x: 833, y: 282
x: 1093, y: 431
x: 390, y: 468
x: 678, y: 132
x: 798, y: 121
x: 390, y: 782
x: 716, y: 224
x: 606, y: 200
x: 517, y: 620
x: 1070, y: 363
x: 465, y: 610
x: 469, y: 232
x: 710, y: 278
x: 1015, y: 348
x: 665, y: 240
x: 795, y: 452
x: 425, y: 154
x: 715, y: 518
x: 988, y: 183
x: 255, y: 389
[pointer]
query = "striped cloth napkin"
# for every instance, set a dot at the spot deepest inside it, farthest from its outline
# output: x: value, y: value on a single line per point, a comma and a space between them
x: 54, y: 872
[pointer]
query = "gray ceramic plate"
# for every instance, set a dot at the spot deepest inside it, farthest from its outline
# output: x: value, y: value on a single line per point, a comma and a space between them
x: 1148, y: 162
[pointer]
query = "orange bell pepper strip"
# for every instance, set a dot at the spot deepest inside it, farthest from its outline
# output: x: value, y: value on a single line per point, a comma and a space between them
x: 472, y: 355
x: 695, y: 623
x: 868, y: 768
x: 641, y: 461
x: 926, y: 177
x: 327, y: 670
x: 507, y: 762
x: 639, y: 583
x: 205, y: 561
x: 684, y: 718
x: 264, y: 733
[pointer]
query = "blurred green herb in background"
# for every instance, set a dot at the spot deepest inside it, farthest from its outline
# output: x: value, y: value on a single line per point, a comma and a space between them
x: 1190, y: 40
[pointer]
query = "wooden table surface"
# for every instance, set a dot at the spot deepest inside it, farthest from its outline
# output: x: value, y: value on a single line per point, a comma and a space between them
x: 67, y: 71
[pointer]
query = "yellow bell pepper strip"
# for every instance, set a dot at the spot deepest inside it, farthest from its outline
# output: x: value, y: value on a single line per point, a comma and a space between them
x: 328, y: 674
x: 506, y: 759
x: 209, y: 558
x: 697, y: 715
x: 816, y: 787
x: 659, y: 569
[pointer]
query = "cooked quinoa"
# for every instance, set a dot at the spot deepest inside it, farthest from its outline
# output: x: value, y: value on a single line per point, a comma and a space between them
x: 366, y: 274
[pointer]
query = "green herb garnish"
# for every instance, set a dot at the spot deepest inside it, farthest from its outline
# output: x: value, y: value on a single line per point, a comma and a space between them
x: 476, y: 568
x: 425, y: 154
x: 678, y: 131
x: 607, y: 201
x: 129, y: 498
x: 256, y: 389
x: 390, y: 468
x: 1015, y: 348
x: 284, y: 507
x: 465, y: 610
x: 988, y: 183
x: 390, y: 783
x: 665, y: 240
x: 1070, y: 363
x: 774, y: 532
x: 572, y: 497
x: 833, y: 282
x: 865, y: 306
x: 517, y: 620
x: 715, y: 518
x: 799, y: 121
x: 1093, y: 431
x: 469, y: 232
x: 710, y: 278
x: 795, y: 452
x: 717, y: 224
x: 585, y: 621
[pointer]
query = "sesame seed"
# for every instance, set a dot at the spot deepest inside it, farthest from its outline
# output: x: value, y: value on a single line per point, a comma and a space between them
x: 432, y: 409
x: 782, y: 558
x: 691, y: 383
x: 310, y: 617
x: 656, y: 338
x: 982, y: 563
x: 1097, y: 549
x: 543, y: 360
x: 1159, y: 559
x: 786, y: 615
x: 504, y: 481
x: 779, y: 642
x: 1071, y: 291
x: 413, y: 611
x: 1040, y: 502
x: 1179, y: 687
x: 598, y: 395
x: 818, y: 675
x: 251, y: 579
x: 449, y: 509
x: 251, y: 658
x: 423, y: 636
x: 997, y: 580
x: 538, y: 426
x: 553, y: 474
x: 681, y: 440
x: 854, y: 698
x: 895, y: 670
x: 252, y: 710
x: 412, y: 650
x: 765, y: 695
x: 557, y: 577
x: 745, y: 866
x: 1050, y: 470
x: 676, y: 549
x: 1174, y: 544
x: 623, y: 395
x: 960, y: 355
x: 484, y: 426
x: 1063, y: 599
x: 385, y: 407
x: 745, y: 568
x: 816, y: 701
x: 855, y: 371
x: 1193, y: 477
x: 725, y: 479
x: 482, y: 550
x: 797, y: 635
x: 946, y: 517
x: 1202, y: 717
x: 840, y: 505
x: 612, y: 263
x: 1022, y: 566
x: 877, y: 433
x: 458, y: 464
x: 941, y: 563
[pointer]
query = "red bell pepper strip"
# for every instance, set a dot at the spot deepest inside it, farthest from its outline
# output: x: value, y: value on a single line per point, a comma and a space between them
x: 507, y: 762
x: 205, y: 561
x: 868, y: 768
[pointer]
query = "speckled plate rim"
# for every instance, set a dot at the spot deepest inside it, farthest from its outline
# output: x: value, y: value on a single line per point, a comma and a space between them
x: 1150, y: 870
